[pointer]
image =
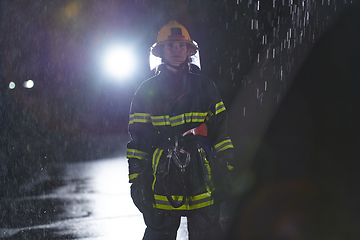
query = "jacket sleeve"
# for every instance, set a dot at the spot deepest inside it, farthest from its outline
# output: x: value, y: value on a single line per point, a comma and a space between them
x: 141, y: 131
x: 217, y: 128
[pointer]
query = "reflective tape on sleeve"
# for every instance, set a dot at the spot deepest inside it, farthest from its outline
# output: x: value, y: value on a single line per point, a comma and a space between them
x: 219, y: 107
x: 133, y: 153
x: 208, y: 116
x: 226, y: 144
x: 133, y: 176
x: 139, y: 118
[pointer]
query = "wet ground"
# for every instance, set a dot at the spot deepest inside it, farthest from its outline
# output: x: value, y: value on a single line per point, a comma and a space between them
x: 87, y: 200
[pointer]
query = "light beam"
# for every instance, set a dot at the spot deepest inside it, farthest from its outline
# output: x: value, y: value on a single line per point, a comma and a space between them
x: 119, y: 62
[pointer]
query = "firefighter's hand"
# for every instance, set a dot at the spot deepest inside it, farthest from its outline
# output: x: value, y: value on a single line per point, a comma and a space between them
x: 142, y: 197
x: 222, y: 177
x: 193, y: 142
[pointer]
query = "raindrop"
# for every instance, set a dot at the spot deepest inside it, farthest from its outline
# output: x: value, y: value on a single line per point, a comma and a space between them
x: 28, y: 84
x: 274, y: 32
x: 264, y: 39
x: 12, y: 85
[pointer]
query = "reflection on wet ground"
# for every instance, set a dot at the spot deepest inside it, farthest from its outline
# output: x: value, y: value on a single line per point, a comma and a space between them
x: 87, y: 200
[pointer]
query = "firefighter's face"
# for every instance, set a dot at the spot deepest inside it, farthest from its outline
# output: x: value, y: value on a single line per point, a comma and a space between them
x: 176, y: 52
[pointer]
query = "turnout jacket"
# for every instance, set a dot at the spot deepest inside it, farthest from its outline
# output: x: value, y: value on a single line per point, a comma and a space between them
x: 163, y: 108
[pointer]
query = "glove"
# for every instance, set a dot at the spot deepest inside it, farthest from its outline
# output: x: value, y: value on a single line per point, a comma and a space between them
x: 222, y: 176
x: 142, y: 197
x: 192, y: 142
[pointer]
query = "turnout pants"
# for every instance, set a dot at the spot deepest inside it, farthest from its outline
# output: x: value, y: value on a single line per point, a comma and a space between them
x: 201, y: 225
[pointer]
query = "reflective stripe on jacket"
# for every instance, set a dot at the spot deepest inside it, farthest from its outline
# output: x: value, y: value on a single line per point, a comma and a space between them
x: 169, y: 105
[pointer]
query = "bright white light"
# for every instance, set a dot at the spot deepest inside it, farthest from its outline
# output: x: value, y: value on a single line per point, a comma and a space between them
x: 12, y: 85
x: 119, y: 62
x: 28, y: 84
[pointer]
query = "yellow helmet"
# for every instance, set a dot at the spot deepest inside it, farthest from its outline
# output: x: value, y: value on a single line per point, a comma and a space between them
x: 173, y: 32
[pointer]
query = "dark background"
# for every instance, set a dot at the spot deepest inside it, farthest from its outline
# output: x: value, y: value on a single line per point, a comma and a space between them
x: 306, y: 168
x: 287, y: 71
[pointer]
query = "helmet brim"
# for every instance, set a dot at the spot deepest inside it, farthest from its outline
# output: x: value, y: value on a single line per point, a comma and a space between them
x: 155, y: 49
x: 155, y: 61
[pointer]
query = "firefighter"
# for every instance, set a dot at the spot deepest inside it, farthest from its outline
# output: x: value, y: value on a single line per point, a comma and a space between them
x: 180, y: 152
